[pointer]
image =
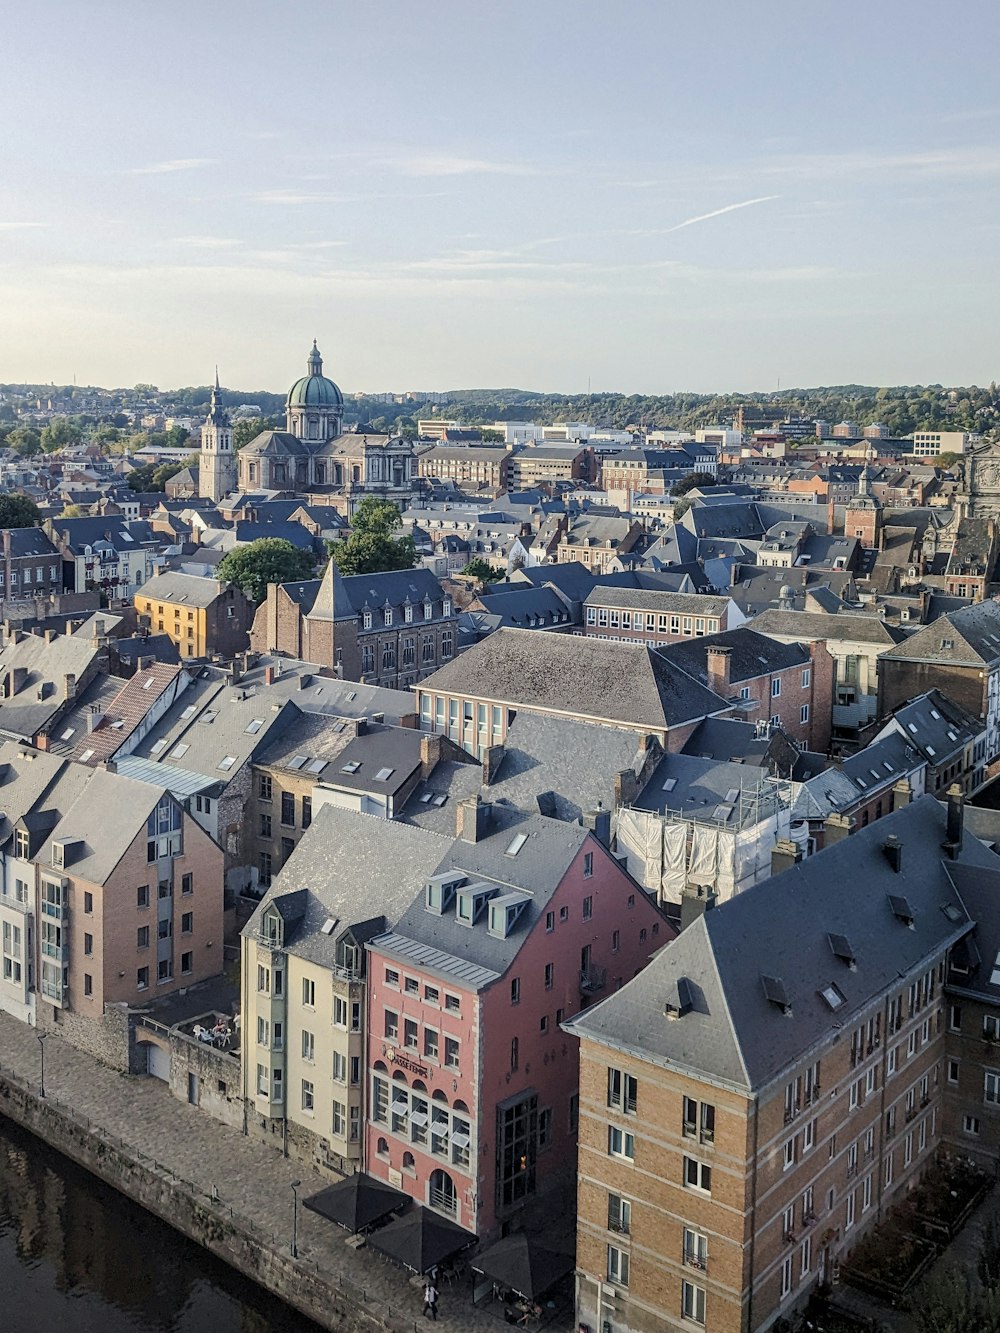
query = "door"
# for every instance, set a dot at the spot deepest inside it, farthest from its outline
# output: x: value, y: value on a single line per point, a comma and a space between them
x: 158, y: 1062
x: 193, y: 1089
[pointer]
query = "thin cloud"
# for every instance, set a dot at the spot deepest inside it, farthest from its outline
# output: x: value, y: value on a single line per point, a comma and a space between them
x: 446, y: 164
x: 20, y: 226
x: 207, y: 242
x: 716, y: 213
x: 175, y: 164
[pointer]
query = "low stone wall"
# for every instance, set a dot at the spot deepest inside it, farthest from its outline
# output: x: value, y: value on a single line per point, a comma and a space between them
x: 110, y: 1039
x: 201, y: 1219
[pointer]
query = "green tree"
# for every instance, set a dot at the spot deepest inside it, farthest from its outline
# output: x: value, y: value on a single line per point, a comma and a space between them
x: 72, y: 511
x: 23, y: 440
x: 945, y: 461
x: 17, y: 511
x: 59, y: 433
x: 692, y: 481
x: 680, y: 509
x: 481, y: 569
x: 269, y: 560
x: 372, y: 547
x: 492, y: 436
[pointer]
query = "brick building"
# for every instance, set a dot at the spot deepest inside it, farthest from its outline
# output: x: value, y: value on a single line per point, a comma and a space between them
x: 598, y: 542
x: 655, y: 617
x: 759, y: 1096
x: 788, y: 684
x: 201, y: 616
x: 467, y: 465
x: 32, y: 567
x: 390, y: 629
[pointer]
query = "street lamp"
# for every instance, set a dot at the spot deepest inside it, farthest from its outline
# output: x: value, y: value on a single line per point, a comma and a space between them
x: 295, y: 1218
x: 41, y: 1046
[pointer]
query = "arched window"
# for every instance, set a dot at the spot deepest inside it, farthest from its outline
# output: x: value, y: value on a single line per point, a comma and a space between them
x: 383, y: 1146
x: 442, y: 1195
x: 409, y: 1161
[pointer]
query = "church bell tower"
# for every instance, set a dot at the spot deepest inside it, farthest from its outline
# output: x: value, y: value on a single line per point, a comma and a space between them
x: 216, y: 466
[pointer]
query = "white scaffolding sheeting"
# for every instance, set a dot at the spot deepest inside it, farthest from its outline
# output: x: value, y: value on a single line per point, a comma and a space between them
x: 703, y: 868
x: 675, y: 840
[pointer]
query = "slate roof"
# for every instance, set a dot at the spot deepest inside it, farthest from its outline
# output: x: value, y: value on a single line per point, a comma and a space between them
x: 30, y: 541
x: 577, y: 676
x: 973, y: 633
x: 653, y: 599
x: 24, y: 714
x: 936, y: 726
x: 353, y: 868
x: 733, y: 796
x: 751, y: 654
x: 861, y: 775
x: 733, y: 1034
x: 123, y: 804
x: 345, y: 597
x: 813, y: 625
x: 182, y: 589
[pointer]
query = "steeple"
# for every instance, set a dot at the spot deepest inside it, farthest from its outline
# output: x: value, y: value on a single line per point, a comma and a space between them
x: 315, y: 362
x: 217, y: 414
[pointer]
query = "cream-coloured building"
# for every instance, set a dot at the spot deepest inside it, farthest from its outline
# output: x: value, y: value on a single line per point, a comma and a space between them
x: 303, y: 978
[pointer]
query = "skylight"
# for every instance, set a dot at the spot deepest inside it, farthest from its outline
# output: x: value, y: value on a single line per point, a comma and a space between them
x: 912, y: 726
x: 670, y: 784
x: 297, y: 761
x: 833, y: 996
x: 87, y: 754
x: 384, y: 774
x: 316, y: 765
x: 427, y: 797
x: 440, y: 798
x: 732, y: 794
x: 253, y: 726
x: 148, y: 684
x: 935, y: 715
x: 516, y: 843
x: 226, y: 763
x: 67, y: 734
x: 774, y: 991
x: 179, y: 751
x: 188, y: 712
x: 329, y: 925
x: 931, y: 751
x: 351, y: 767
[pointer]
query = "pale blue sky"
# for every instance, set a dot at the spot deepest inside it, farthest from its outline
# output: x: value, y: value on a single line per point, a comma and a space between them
x: 653, y: 195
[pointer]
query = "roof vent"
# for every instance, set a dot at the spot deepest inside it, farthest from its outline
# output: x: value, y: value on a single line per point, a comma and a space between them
x: 841, y: 947
x: 679, y: 999
x: 775, y: 993
x: 901, y: 909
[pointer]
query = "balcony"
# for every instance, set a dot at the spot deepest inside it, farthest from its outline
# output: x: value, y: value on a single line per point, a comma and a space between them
x: 693, y: 1259
x: 443, y: 1201
x: 60, y: 952
x: 592, y: 979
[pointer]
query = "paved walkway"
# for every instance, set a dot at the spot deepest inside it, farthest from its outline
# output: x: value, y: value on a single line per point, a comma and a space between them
x: 252, y: 1179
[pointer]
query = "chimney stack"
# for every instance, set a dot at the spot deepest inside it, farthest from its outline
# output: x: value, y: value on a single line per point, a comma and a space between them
x: 719, y: 663
x: 784, y: 855
x: 696, y: 900
x: 474, y: 817
x: 430, y: 752
x: 269, y: 675
x: 493, y: 757
x: 901, y: 794
x: 893, y: 850
x: 599, y: 823
x: 835, y: 828
x: 69, y: 685
x: 956, y: 821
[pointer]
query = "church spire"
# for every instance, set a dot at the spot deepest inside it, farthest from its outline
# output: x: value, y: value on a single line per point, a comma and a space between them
x: 217, y: 414
x: 315, y: 362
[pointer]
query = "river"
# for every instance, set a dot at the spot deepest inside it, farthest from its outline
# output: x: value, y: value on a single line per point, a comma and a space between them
x: 75, y: 1257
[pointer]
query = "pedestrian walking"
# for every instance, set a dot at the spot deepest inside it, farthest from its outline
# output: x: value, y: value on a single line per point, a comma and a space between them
x: 430, y: 1299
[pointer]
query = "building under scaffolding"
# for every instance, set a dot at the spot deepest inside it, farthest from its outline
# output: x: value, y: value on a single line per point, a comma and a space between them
x: 699, y: 822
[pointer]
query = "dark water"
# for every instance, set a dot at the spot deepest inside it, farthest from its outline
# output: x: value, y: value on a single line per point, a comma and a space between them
x: 75, y: 1257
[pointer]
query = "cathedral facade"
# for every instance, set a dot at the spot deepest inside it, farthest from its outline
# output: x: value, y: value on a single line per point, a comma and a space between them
x: 313, y: 454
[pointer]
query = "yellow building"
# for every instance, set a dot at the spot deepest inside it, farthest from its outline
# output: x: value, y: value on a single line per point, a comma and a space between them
x: 201, y: 616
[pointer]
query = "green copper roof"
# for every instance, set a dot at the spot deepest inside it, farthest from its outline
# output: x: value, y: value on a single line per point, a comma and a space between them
x: 314, y: 389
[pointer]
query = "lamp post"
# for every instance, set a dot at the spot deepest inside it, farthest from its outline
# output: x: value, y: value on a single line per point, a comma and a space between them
x: 41, y: 1046
x: 295, y: 1218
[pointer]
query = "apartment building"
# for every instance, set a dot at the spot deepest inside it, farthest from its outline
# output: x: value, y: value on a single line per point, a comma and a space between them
x: 110, y: 553
x: 200, y: 616
x: 541, y: 465
x: 467, y: 465
x: 472, y: 1106
x: 304, y: 973
x: 30, y: 566
x: 598, y: 542
x: 646, y: 615
x: 759, y: 1096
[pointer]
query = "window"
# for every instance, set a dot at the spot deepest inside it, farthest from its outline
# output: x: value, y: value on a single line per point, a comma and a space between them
x: 264, y: 787
x: 88, y: 903
x: 804, y: 713
x: 514, y: 1054
x: 339, y: 1121
x: 698, y: 1120
x: 515, y: 990
x: 451, y: 1052
x: 187, y: 923
x: 549, y: 975
x: 588, y: 866
x: 786, y: 1277
x: 308, y: 1097
x: 187, y: 884
x: 88, y: 944
x: 307, y: 811
x: 623, y: 1091
x: 391, y: 1024
x: 550, y: 921
x: 288, y: 809
x: 619, y: 1214
x: 693, y: 1302
x: 621, y: 1143
x: 617, y: 1266
x: 308, y: 993
x: 142, y: 896
x: 410, y: 1033
x: 339, y: 1011
x: 991, y: 1087
x: 789, y: 1153
x: 564, y: 914
x: 308, y: 1046
x: 806, y: 677
x: 776, y: 688
x: 697, y: 1175
x: 970, y: 1125
x: 849, y: 1215
x: 142, y: 937
x: 430, y: 1044
x: 588, y: 908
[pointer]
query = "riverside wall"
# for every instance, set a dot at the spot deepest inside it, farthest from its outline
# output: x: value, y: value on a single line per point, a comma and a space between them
x: 251, y: 1251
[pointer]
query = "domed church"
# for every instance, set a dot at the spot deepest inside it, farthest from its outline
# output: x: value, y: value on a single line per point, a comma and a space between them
x: 312, y: 453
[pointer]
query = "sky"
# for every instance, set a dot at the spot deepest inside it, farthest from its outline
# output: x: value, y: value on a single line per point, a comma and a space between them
x: 643, y: 196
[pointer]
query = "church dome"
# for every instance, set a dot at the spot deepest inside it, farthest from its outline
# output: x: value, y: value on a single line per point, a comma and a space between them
x: 314, y: 389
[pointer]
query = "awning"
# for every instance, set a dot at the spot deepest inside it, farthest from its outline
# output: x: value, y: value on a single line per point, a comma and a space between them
x: 524, y: 1264
x: 421, y: 1239
x: 357, y: 1202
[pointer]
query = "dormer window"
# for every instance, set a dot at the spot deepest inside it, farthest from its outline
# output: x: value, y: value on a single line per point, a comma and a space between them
x: 387, y: 615
x: 446, y: 607
x: 272, y: 930
x: 366, y: 620
x: 408, y: 613
x: 21, y: 845
x: 428, y: 610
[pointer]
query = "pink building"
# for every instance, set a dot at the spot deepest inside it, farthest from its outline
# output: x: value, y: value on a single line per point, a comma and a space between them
x: 473, y: 1095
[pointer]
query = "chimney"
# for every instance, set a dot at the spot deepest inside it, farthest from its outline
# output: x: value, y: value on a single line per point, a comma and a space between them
x: 50, y: 634
x: 901, y: 794
x: 599, y: 823
x: 719, y: 665
x: 270, y: 675
x: 430, y: 752
x: 473, y: 819
x: 835, y: 828
x: 493, y: 757
x: 893, y: 851
x: 696, y: 900
x: 99, y: 628
x: 784, y: 855
x: 956, y: 821
x: 94, y: 719
x: 69, y: 685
